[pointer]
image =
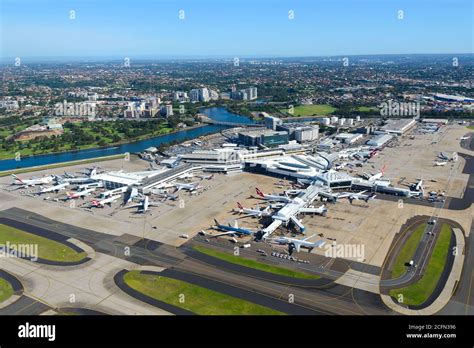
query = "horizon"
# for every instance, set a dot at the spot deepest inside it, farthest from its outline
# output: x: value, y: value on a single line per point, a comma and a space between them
x: 208, y: 29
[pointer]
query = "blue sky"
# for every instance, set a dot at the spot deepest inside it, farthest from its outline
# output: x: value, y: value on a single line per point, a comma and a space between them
x: 229, y: 28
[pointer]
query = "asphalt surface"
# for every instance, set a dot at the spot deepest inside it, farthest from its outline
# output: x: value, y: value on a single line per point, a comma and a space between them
x: 25, y: 305
x: 151, y: 253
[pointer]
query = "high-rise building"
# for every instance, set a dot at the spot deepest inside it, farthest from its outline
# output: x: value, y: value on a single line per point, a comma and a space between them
x: 200, y: 94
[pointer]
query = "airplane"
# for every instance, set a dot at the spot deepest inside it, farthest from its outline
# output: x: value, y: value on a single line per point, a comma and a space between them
x: 231, y: 230
x: 439, y: 164
x: 78, y: 194
x: 81, y: 187
x: 297, y: 244
x: 130, y: 194
x: 68, y: 175
x: 186, y: 176
x: 254, y: 212
x: 357, y: 196
x: 373, y: 153
x: 55, y: 188
x: 322, y: 210
x: 443, y: 156
x: 144, y: 205
x: 103, y: 202
x: 32, y: 182
x: 188, y: 187
x: 464, y: 138
x: 206, y: 177
x: 274, y: 198
x: 417, y: 186
x: 373, y: 177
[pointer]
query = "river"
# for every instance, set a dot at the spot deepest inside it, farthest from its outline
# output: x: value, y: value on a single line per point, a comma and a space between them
x: 216, y: 113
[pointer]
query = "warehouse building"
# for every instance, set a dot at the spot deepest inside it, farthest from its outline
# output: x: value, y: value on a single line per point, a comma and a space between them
x: 299, y: 131
x: 380, y: 140
x: 399, y: 127
x: 265, y: 137
x: 348, y: 138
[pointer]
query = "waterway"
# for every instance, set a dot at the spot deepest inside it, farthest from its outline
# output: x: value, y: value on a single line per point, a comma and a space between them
x: 216, y: 113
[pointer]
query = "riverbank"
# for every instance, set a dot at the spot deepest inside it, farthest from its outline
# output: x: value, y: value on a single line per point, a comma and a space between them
x: 110, y: 145
x: 59, y: 165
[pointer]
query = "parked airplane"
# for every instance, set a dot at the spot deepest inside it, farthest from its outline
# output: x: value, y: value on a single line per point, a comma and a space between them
x: 206, y: 177
x: 373, y: 177
x: 144, y: 205
x: 464, y: 138
x: 297, y: 244
x: 188, y: 187
x: 274, y: 198
x: 96, y: 184
x: 357, y: 196
x: 231, y: 230
x: 439, y: 164
x: 130, y: 194
x: 103, y: 202
x: 55, y: 188
x: 443, y: 156
x: 254, y: 212
x: 80, y: 194
x: 32, y: 182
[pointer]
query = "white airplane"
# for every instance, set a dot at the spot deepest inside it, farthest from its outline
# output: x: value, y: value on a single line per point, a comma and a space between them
x: 253, y: 212
x: 79, y: 194
x: 206, y: 177
x: 464, y: 138
x: 130, y: 194
x: 322, y: 210
x: 103, y: 202
x: 297, y: 244
x: 32, y: 182
x: 81, y: 187
x: 55, y: 188
x: 188, y: 187
x: 144, y: 205
x: 186, y: 176
x: 273, y: 198
x: 357, y: 196
x: 439, y: 164
x: 373, y: 177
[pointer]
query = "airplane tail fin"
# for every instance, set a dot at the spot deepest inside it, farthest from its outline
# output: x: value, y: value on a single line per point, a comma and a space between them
x: 383, y: 169
x: 217, y: 222
x: 260, y: 193
x: 17, y: 178
x: 240, y: 206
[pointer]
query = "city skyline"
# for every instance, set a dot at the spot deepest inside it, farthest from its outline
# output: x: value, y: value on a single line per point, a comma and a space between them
x: 208, y: 29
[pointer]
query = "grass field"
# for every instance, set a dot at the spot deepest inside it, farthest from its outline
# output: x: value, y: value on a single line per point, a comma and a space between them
x: 367, y: 108
x: 6, y: 290
x: 470, y: 127
x: 418, y: 293
x: 47, y: 249
x: 255, y: 264
x: 194, y: 298
x: 407, y: 252
x: 311, y: 110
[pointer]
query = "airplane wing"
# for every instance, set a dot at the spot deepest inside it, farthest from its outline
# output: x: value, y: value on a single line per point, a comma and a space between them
x: 224, y: 234
x: 311, y: 210
x: 320, y: 243
x: 133, y: 206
